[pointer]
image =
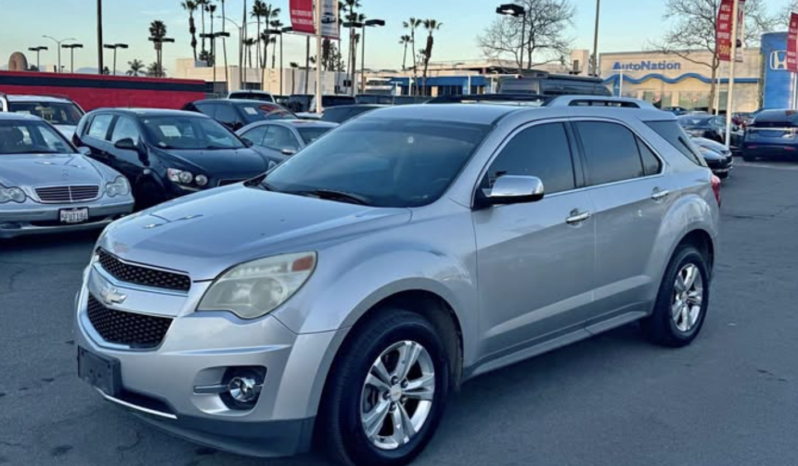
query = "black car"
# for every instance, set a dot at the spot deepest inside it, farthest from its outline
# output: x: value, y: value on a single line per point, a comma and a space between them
x: 306, y: 102
x: 237, y: 113
x: 165, y: 154
x: 543, y: 83
x: 347, y: 112
x: 711, y: 127
x: 718, y: 157
x: 772, y: 134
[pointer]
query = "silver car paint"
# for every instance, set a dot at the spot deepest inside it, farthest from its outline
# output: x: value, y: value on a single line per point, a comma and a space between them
x: 518, y: 279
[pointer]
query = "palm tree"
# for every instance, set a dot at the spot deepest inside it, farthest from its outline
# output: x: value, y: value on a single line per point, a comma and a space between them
x: 211, y: 9
x: 271, y: 15
x: 259, y: 10
x: 136, y: 67
x: 158, y: 33
x: 191, y: 7
x: 155, y: 70
x: 274, y: 24
x: 405, y: 41
x: 224, y: 45
x: 201, y: 4
x: 431, y: 26
x: 248, y: 43
x: 273, y: 41
x: 412, y: 24
x: 350, y: 7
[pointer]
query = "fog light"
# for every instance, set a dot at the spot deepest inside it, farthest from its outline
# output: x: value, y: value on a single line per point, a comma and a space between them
x: 243, y: 389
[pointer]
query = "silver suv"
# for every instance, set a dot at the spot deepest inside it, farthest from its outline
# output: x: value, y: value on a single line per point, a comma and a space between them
x: 346, y: 293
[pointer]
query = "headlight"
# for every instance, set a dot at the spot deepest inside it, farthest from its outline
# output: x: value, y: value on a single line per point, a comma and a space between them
x: 201, y: 180
x: 256, y: 288
x: 120, y: 187
x: 180, y: 176
x: 11, y: 194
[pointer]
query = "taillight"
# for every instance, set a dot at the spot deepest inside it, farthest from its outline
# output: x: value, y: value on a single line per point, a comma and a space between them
x: 716, y: 188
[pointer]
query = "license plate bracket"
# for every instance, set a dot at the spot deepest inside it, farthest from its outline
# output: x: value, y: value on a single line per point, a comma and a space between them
x: 100, y: 372
x: 74, y: 216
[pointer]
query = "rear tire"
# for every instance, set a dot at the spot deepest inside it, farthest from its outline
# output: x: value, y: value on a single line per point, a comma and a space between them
x: 682, y: 302
x: 357, y: 396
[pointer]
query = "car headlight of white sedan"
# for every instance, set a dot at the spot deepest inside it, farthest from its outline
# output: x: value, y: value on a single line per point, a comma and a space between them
x: 119, y: 187
x: 254, y: 289
x: 12, y: 194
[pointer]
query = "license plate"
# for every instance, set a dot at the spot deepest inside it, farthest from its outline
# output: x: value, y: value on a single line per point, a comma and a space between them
x: 74, y: 215
x: 101, y: 372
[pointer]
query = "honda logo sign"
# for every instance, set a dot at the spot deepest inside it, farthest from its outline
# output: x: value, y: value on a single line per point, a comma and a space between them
x: 778, y: 60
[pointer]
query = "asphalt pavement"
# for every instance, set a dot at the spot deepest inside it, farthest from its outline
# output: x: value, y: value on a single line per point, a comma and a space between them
x: 729, y: 399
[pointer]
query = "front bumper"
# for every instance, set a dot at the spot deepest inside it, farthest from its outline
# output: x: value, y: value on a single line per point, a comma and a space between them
x: 159, y: 385
x: 31, y: 219
x: 721, y: 167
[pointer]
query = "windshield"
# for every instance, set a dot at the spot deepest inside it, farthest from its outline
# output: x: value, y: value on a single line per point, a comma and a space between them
x: 695, y: 121
x: 311, y: 134
x: 56, y: 113
x: 189, y: 132
x: 335, y: 101
x: 390, y: 163
x: 776, y: 119
x: 260, y: 112
x: 252, y: 96
x: 31, y: 137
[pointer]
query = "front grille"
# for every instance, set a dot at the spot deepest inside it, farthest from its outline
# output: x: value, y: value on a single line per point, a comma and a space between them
x: 126, y: 328
x: 67, y: 194
x: 229, y: 182
x: 143, y: 275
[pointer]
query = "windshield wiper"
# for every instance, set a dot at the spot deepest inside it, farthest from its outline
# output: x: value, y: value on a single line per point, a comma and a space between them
x: 333, y: 195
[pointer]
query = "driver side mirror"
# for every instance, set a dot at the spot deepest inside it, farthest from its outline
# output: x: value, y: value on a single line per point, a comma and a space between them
x: 288, y: 151
x: 510, y: 189
x: 247, y: 142
x: 84, y: 150
x: 126, y: 144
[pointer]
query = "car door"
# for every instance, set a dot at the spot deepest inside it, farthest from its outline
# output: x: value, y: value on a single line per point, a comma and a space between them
x: 128, y: 162
x: 630, y: 196
x: 96, y: 136
x: 535, y: 260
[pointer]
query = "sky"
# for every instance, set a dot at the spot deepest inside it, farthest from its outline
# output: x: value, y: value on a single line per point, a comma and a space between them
x: 626, y: 25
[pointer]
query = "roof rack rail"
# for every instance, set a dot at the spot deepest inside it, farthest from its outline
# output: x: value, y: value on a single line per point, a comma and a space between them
x: 599, y: 101
x: 505, y: 99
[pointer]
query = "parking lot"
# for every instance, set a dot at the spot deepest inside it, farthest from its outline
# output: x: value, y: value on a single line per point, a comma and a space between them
x: 729, y: 399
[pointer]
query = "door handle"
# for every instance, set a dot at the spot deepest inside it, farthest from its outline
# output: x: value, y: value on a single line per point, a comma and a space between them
x: 577, y: 217
x: 659, y: 194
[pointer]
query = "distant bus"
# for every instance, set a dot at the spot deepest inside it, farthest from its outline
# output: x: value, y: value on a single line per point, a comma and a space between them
x: 92, y: 91
x: 546, y: 84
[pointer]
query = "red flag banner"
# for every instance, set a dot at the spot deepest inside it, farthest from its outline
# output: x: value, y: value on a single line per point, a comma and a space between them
x: 792, y: 44
x: 723, y: 34
x: 302, y: 16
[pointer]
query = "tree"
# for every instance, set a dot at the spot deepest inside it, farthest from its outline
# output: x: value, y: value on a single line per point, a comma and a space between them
x: 158, y: 33
x: 191, y: 7
x: 431, y: 26
x: 155, y: 70
x: 693, y: 26
x: 201, y: 4
x: 544, y: 33
x: 258, y: 12
x: 136, y: 68
x: 106, y: 71
x: 350, y: 8
x: 331, y: 58
x: 405, y: 41
x: 33, y: 68
x: 413, y: 24
x: 277, y: 25
x: 249, y: 43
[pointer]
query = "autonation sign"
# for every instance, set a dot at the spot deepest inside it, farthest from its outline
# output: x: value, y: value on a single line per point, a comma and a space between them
x: 646, y: 65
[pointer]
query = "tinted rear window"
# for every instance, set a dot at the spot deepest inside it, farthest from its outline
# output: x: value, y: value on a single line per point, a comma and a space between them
x: 675, y: 135
x: 776, y: 119
x: 311, y: 134
x: 334, y: 101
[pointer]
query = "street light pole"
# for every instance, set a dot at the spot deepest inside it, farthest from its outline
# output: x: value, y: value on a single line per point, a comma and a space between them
x: 114, y: 47
x: 160, y: 41
x: 213, y: 37
x: 595, y: 39
x: 514, y: 10
x: 72, y: 48
x: 58, y: 44
x: 284, y: 31
x: 353, y: 58
x: 38, y: 51
x: 368, y: 23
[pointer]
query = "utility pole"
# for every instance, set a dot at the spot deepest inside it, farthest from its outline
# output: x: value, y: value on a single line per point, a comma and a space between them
x: 595, y: 40
x: 319, y: 108
x: 732, y: 61
x: 100, y: 36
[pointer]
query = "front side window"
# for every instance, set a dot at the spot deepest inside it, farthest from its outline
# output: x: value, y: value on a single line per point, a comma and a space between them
x: 256, y: 135
x: 542, y: 151
x: 385, y: 162
x: 279, y: 138
x: 125, y: 128
x: 31, y: 137
x: 56, y: 113
x: 99, y: 126
x: 189, y: 132
x: 611, y: 152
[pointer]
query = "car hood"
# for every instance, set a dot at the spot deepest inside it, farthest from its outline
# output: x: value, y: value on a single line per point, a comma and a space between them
x: 48, y: 169
x: 711, y: 145
x: 206, y: 233
x: 221, y: 163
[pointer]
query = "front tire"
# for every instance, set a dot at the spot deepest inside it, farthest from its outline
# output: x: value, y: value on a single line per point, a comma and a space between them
x: 386, y: 393
x: 682, y: 302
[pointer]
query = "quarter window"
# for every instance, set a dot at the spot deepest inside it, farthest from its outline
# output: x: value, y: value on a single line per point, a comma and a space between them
x: 542, y: 151
x: 651, y: 164
x: 611, y: 152
x: 675, y: 135
x: 98, y: 128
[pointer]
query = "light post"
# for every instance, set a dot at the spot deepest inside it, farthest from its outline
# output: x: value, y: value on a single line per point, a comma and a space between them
x: 38, y: 50
x: 213, y: 38
x: 358, y: 25
x: 58, y: 43
x: 241, y: 53
x: 72, y: 48
x: 595, y: 40
x: 159, y: 41
x: 368, y: 23
x: 114, y: 47
x: 285, y: 30
x: 511, y: 9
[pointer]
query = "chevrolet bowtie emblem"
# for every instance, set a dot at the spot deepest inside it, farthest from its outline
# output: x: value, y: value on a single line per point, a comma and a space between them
x: 111, y: 295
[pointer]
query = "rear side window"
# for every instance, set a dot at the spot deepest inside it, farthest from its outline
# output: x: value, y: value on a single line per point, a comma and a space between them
x: 542, y: 151
x: 611, y: 151
x: 675, y: 135
x: 98, y: 128
x: 651, y: 164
